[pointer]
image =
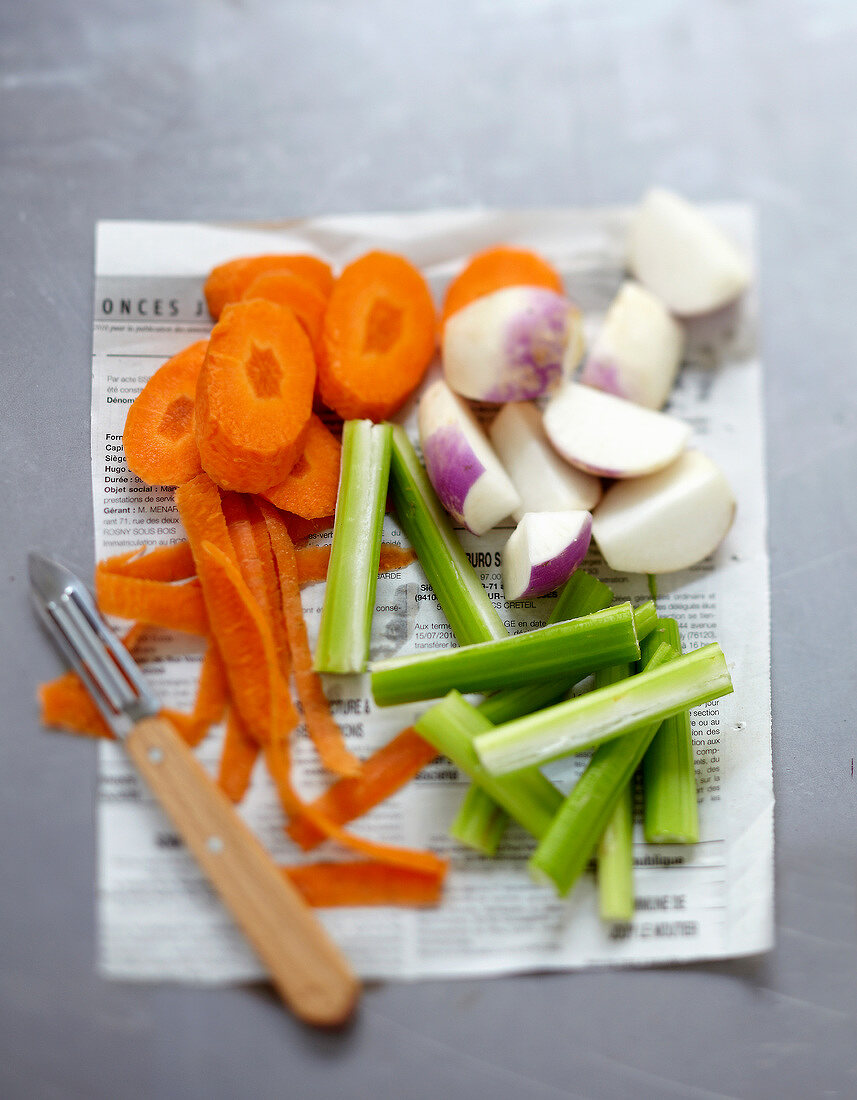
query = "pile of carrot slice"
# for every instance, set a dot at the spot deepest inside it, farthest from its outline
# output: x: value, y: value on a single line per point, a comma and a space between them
x: 246, y: 424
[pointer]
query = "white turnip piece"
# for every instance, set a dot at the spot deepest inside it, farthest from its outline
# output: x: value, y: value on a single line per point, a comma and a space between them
x: 637, y: 352
x: 611, y: 437
x: 683, y: 257
x: 669, y: 520
x: 462, y: 467
x: 544, y: 481
x: 514, y: 344
x: 543, y: 551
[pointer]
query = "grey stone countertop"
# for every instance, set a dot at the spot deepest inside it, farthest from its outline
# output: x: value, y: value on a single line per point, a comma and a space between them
x: 252, y: 109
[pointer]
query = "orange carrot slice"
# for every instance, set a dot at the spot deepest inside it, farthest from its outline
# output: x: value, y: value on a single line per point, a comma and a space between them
x: 314, y: 560
x: 379, y: 337
x: 361, y: 882
x: 159, y: 439
x: 237, y: 758
x: 164, y: 563
x: 212, y: 694
x: 383, y: 773
x: 311, y: 487
x: 325, y: 733
x: 227, y: 282
x: 176, y: 606
x: 254, y: 396
x: 306, y: 301
x: 246, y: 645
x: 494, y: 269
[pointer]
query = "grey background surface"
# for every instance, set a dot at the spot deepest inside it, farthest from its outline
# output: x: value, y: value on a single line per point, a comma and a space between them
x: 260, y: 109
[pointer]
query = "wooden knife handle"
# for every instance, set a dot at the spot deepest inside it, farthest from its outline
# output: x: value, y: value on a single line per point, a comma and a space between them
x: 305, y: 965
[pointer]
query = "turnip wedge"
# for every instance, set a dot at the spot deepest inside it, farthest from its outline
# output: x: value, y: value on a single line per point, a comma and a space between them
x: 544, y: 481
x: 669, y: 520
x: 460, y: 462
x: 611, y: 437
x: 514, y: 344
x: 683, y: 257
x: 637, y: 352
x: 543, y: 551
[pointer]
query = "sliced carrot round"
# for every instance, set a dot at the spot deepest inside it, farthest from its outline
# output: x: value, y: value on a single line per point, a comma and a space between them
x: 494, y: 269
x: 379, y: 337
x: 227, y: 282
x: 298, y: 294
x: 254, y: 396
x: 311, y: 487
x: 159, y: 440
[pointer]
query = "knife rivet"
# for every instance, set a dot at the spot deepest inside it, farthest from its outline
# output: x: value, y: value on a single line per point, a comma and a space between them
x: 215, y: 844
x: 156, y: 755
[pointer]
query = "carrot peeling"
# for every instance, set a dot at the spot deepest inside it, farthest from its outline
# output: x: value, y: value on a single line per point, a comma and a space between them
x: 383, y: 773
x: 363, y: 882
x: 228, y: 282
x: 164, y: 563
x: 310, y: 489
x: 496, y: 268
x: 323, y: 730
x: 238, y: 756
x: 212, y: 695
x: 176, y: 606
x: 254, y: 396
x: 159, y: 438
x: 379, y: 337
x: 313, y: 561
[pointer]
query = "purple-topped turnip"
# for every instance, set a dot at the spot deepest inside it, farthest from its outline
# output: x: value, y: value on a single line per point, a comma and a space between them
x: 544, y: 481
x: 543, y: 551
x: 609, y: 436
x: 515, y: 344
x: 637, y: 352
x: 462, y: 467
x: 683, y: 257
x: 667, y: 521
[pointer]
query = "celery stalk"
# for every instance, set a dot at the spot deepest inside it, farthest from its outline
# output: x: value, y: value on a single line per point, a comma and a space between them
x: 615, y: 861
x: 527, y: 796
x: 645, y: 618
x: 480, y: 822
x: 607, y: 712
x: 565, y: 849
x: 562, y: 649
x: 460, y: 593
x: 349, y: 598
x: 670, y: 811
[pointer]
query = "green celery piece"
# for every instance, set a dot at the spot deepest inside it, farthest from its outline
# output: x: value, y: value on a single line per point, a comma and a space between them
x: 670, y: 810
x: 578, y: 646
x: 528, y: 797
x: 645, y: 618
x: 480, y: 822
x: 582, y: 594
x: 565, y: 849
x: 607, y: 712
x: 425, y: 523
x: 615, y: 861
x: 349, y: 599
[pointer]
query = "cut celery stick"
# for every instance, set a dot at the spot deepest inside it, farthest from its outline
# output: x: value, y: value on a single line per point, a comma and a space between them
x: 425, y: 523
x: 615, y: 855
x: 565, y: 849
x: 670, y: 810
x: 528, y: 797
x: 349, y: 598
x: 645, y: 618
x: 615, y: 861
x: 480, y: 821
x: 562, y: 649
x: 582, y: 594
x: 586, y: 721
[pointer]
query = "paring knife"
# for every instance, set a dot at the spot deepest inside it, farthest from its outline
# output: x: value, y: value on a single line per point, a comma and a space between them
x: 305, y: 965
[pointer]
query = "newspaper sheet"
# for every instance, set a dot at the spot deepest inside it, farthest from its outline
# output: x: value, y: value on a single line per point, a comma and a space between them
x: 159, y: 919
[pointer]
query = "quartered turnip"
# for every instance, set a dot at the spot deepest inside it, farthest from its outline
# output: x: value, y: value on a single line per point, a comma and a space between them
x: 667, y: 521
x: 544, y: 481
x: 543, y: 551
x: 683, y: 257
x: 609, y: 436
x: 514, y: 344
x: 464, y: 470
x: 637, y: 352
